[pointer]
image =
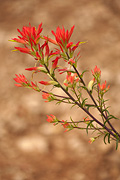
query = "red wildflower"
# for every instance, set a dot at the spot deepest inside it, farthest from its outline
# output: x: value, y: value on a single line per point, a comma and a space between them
x: 103, y: 87
x: 21, y: 79
x: 71, y: 79
x: 71, y: 61
x: 29, y: 35
x: 62, y: 37
x: 51, y: 118
x: 96, y: 71
x: 65, y: 124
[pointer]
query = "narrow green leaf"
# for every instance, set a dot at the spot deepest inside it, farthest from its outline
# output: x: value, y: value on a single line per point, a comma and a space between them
x: 109, y: 138
x: 105, y: 137
x: 117, y: 141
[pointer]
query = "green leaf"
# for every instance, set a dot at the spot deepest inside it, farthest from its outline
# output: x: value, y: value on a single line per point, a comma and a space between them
x: 89, y: 125
x: 109, y: 138
x: 83, y: 102
x: 105, y: 137
x: 83, y: 73
x: 117, y: 141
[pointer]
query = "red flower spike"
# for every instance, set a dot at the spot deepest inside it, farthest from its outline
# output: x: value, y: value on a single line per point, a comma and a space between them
x: 103, y: 87
x: 96, y: 71
x: 29, y: 36
x: 21, y: 79
x: 62, y: 37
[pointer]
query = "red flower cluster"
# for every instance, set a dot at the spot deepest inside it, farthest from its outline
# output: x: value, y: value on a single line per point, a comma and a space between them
x: 96, y: 71
x: 51, y: 118
x: 103, y: 87
x: 71, y: 79
x: 23, y: 82
x: 29, y: 37
x: 46, y: 96
x: 21, y: 79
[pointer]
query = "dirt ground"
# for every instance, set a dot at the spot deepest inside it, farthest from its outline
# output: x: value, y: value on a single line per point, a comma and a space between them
x: 31, y: 148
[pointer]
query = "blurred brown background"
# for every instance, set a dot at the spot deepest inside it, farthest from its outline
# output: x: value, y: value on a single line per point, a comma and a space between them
x: 31, y: 148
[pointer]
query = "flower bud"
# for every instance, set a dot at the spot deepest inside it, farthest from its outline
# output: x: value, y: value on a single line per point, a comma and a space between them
x: 53, y: 82
x: 90, y: 85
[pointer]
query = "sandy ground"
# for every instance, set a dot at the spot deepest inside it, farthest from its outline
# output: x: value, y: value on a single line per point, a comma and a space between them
x: 31, y: 148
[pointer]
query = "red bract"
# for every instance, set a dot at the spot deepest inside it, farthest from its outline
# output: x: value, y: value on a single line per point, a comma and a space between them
x: 21, y: 79
x: 24, y: 50
x: 103, y: 87
x: 44, y: 82
x: 55, y: 62
x: 96, y: 71
x: 29, y: 35
x: 62, y: 37
x: 34, y: 86
x: 32, y: 69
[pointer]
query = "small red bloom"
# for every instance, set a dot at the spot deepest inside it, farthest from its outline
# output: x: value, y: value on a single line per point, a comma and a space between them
x: 62, y: 37
x: 65, y: 124
x: 29, y: 35
x: 46, y: 96
x: 91, y: 140
x: 21, y: 79
x: 29, y: 38
x: 96, y: 71
x: 103, y: 87
x: 71, y: 79
x: 51, y: 118
x: 71, y: 61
